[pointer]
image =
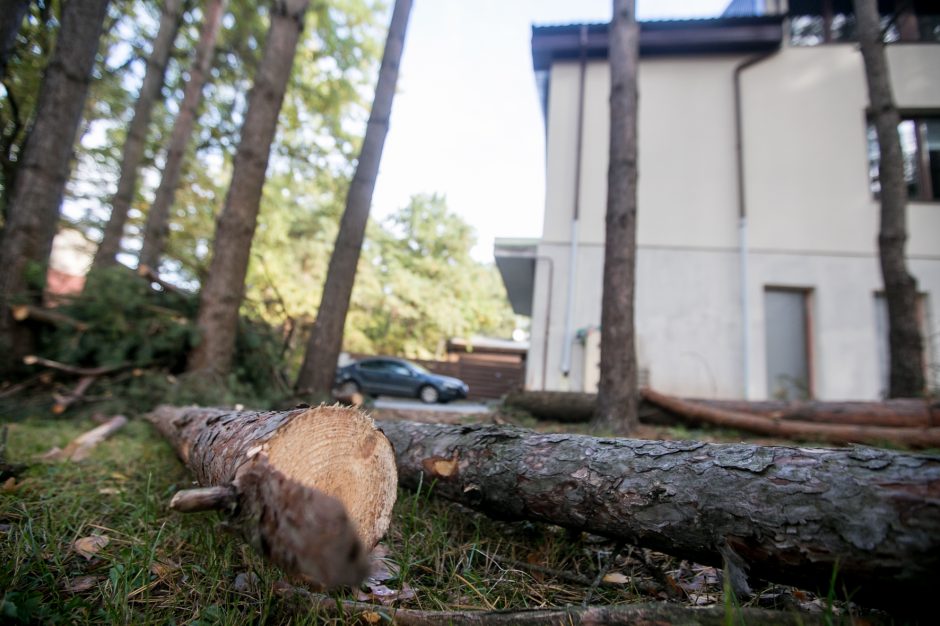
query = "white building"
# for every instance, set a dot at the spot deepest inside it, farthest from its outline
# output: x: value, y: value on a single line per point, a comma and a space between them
x: 757, y: 264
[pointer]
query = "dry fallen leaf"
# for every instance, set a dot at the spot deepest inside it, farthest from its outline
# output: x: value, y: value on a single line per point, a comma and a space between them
x: 109, y: 491
x: 385, y: 595
x: 81, y: 583
x: 381, y: 567
x: 162, y: 568
x: 616, y: 578
x: 90, y: 546
x: 9, y: 485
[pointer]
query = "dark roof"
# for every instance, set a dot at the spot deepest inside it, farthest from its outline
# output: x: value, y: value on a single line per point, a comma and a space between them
x: 698, y: 36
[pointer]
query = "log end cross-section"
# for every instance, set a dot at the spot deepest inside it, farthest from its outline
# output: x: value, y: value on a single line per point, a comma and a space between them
x: 312, y: 489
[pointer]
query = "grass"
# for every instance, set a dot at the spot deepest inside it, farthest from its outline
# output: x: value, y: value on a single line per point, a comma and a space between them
x: 161, y: 567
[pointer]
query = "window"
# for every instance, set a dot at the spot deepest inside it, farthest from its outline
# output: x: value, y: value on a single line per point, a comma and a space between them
x: 920, y: 147
x: 815, y: 22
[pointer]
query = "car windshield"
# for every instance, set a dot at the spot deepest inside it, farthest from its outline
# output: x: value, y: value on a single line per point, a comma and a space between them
x: 418, y: 368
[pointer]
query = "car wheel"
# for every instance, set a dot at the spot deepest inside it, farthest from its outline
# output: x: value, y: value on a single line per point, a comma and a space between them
x: 348, y: 388
x: 428, y: 394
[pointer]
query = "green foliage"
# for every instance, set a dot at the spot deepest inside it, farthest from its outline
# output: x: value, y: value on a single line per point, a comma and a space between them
x: 418, y: 286
x: 128, y: 324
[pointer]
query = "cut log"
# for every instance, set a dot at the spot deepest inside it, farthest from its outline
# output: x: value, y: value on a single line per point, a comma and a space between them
x: 831, y: 422
x: 558, y: 406
x: 895, y: 413
x: 926, y: 437
x: 311, y: 489
x: 790, y: 515
x: 79, y: 448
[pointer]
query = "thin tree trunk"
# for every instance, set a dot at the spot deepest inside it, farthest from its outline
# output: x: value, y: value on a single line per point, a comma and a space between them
x: 33, y: 212
x: 222, y: 293
x: 134, y: 144
x: 158, y: 217
x: 789, y: 515
x: 326, y: 338
x: 311, y: 489
x: 617, y: 388
x: 13, y: 12
x: 906, y: 346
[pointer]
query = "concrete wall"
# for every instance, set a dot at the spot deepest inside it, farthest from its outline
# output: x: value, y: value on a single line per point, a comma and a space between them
x: 812, y: 220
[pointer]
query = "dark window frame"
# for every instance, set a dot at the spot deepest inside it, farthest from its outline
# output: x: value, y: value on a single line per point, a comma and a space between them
x: 836, y: 26
x: 928, y: 190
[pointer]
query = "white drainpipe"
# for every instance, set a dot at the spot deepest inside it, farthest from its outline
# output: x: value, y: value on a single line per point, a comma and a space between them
x: 573, y: 251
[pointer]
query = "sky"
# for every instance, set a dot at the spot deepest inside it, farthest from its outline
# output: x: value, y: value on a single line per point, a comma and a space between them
x: 466, y: 120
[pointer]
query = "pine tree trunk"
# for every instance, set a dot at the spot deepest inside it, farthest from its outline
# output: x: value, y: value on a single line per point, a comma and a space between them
x: 906, y: 377
x: 788, y: 515
x: 907, y: 413
x: 617, y: 388
x: 326, y: 338
x: 33, y: 211
x: 311, y: 489
x: 134, y: 144
x: 158, y: 217
x: 222, y: 293
x: 13, y: 12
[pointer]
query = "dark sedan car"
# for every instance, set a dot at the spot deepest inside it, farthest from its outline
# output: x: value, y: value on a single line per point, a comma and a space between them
x: 398, y: 377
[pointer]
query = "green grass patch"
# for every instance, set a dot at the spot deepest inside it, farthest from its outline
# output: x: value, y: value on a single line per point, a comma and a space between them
x: 161, y: 567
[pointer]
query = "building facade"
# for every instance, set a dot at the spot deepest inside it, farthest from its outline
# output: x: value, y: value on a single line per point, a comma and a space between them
x: 757, y: 260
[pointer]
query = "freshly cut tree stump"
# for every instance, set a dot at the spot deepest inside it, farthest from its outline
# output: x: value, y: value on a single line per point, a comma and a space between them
x: 311, y: 488
x: 787, y: 515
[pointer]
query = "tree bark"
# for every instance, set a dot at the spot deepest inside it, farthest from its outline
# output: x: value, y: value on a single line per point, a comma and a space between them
x: 13, y: 12
x: 617, y: 388
x: 559, y: 406
x: 906, y: 347
x: 900, y: 413
x: 659, y: 614
x: 33, y: 211
x: 134, y: 144
x: 224, y: 289
x: 156, y: 227
x: 789, y: 515
x: 912, y: 437
x: 563, y: 406
x: 326, y: 338
x: 313, y: 489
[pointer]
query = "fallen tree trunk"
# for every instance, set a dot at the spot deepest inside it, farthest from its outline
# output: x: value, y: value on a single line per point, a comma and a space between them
x: 558, y: 406
x: 311, y: 489
x: 927, y: 437
x: 894, y: 413
x: 911, y: 422
x: 788, y: 515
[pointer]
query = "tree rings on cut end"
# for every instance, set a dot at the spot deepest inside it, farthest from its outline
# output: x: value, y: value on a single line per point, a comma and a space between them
x: 338, y: 451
